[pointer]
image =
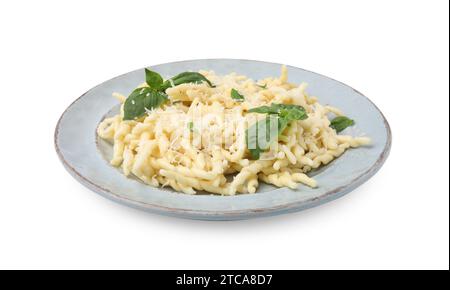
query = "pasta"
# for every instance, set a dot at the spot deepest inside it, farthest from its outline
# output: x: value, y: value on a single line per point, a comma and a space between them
x: 197, y: 140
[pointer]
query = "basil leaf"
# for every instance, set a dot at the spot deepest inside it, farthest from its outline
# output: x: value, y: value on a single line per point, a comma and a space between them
x: 191, y: 126
x: 283, y: 114
x: 190, y: 77
x: 260, y: 135
x: 251, y: 138
x: 141, y: 100
x: 134, y: 104
x: 185, y: 77
x: 235, y: 95
x: 154, y: 99
x: 290, y: 112
x: 293, y: 112
x: 264, y: 110
x: 255, y: 153
x: 282, y: 124
x: 340, y: 123
x: 153, y: 79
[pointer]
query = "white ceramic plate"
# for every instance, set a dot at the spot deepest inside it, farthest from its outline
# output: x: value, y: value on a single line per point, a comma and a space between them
x: 86, y: 157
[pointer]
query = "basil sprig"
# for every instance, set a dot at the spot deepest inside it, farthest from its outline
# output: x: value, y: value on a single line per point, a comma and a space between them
x: 261, y: 134
x: 153, y: 96
x: 235, y: 95
x: 341, y: 123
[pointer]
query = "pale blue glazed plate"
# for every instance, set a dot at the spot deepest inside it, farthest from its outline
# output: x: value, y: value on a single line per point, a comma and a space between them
x: 86, y: 157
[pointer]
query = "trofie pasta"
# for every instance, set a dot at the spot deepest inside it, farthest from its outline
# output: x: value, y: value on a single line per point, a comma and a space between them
x: 224, y: 134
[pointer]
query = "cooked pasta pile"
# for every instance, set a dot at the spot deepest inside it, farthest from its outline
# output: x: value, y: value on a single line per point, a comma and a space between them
x: 196, y: 140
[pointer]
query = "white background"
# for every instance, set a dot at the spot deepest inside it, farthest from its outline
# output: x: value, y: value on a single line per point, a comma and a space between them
x: 395, y: 52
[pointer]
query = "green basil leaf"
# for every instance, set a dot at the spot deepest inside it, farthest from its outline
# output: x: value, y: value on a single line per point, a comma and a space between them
x: 293, y: 112
x: 134, y: 105
x: 251, y: 137
x: 190, y: 77
x: 283, y: 114
x: 141, y: 100
x: 153, y: 79
x: 340, y: 123
x: 282, y: 125
x: 154, y: 99
x: 185, y: 77
x: 191, y: 126
x: 267, y: 131
x: 235, y: 95
x: 255, y: 153
x: 264, y: 110
x: 290, y: 112
x: 261, y: 134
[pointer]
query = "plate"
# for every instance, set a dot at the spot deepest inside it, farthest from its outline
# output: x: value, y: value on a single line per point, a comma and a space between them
x: 86, y: 156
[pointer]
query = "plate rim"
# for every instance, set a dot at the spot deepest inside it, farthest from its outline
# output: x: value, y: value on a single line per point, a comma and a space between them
x: 230, y: 214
